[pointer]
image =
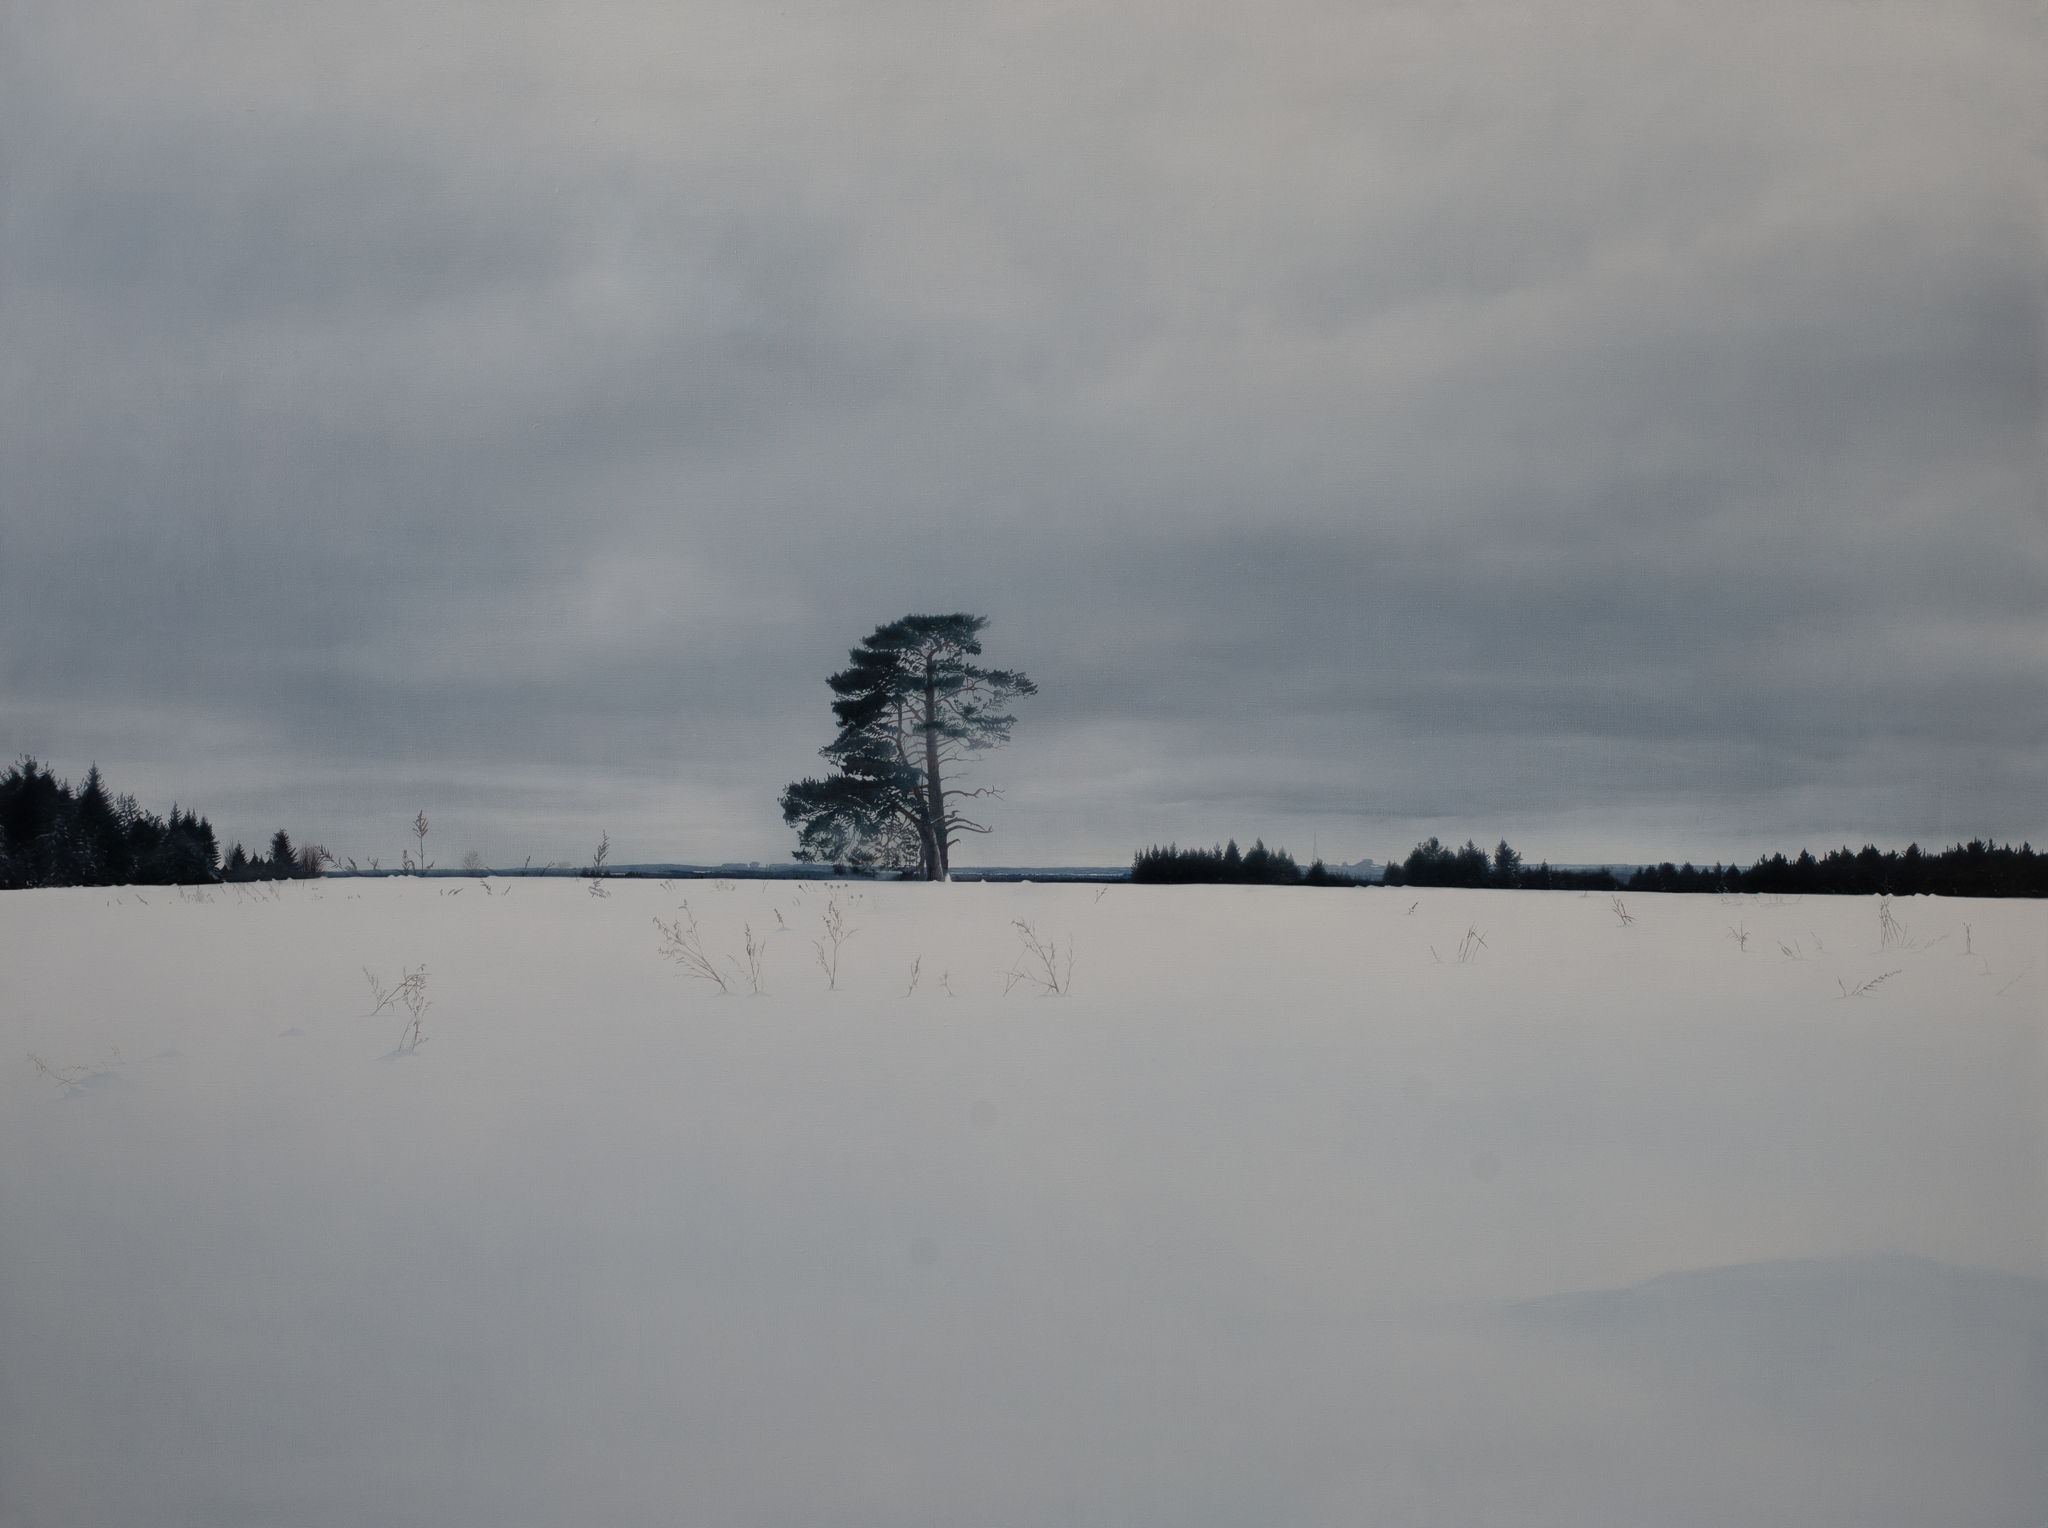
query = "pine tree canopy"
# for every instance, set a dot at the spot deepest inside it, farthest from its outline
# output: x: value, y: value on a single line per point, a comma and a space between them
x: 910, y: 705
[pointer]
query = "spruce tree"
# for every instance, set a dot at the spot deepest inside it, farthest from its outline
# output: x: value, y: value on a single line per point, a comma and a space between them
x: 1507, y: 865
x: 99, y: 845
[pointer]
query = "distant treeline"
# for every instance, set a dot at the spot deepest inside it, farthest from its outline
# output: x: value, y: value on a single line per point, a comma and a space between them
x: 1432, y: 864
x: 1975, y: 869
x: 51, y: 835
x: 1228, y: 865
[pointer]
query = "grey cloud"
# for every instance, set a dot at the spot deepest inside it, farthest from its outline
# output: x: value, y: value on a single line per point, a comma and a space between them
x: 1413, y: 414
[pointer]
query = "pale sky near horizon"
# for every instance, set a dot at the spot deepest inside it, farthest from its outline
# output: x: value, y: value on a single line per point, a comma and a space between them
x: 1614, y: 426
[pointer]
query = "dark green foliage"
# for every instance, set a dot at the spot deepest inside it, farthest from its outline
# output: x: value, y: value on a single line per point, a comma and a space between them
x: 1507, y: 866
x: 909, y: 706
x: 51, y: 836
x: 180, y: 852
x: 1975, y: 869
x: 1257, y: 866
x: 1430, y: 863
x: 35, y: 823
x: 98, y: 843
x: 1578, y: 880
x: 1319, y: 874
x: 285, y: 862
x: 855, y: 818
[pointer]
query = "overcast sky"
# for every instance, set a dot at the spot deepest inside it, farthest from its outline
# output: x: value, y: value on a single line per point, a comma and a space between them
x: 1618, y: 426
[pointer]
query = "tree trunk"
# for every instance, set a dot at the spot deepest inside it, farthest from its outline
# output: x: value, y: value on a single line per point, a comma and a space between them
x: 934, y: 795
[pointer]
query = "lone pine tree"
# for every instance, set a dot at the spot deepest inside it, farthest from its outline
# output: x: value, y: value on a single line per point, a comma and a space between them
x: 910, y: 708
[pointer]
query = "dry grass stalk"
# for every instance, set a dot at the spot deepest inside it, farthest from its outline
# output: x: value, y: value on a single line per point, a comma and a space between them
x: 684, y: 944
x: 1042, y: 963
x: 836, y: 934
x: 408, y: 997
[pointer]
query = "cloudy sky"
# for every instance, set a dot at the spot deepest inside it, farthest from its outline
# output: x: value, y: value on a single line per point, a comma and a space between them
x: 1617, y: 426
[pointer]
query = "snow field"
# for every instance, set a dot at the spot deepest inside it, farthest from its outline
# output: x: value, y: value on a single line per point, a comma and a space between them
x: 1262, y: 1220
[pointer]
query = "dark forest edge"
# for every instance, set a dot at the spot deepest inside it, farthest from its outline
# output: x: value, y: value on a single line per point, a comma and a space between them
x: 1976, y: 869
x: 1230, y: 866
x: 51, y: 835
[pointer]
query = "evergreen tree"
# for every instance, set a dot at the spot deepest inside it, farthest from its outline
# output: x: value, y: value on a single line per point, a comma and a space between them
x: 1257, y: 866
x: 1428, y: 864
x: 99, y: 846
x: 1912, y: 872
x: 35, y: 815
x: 1507, y: 865
x: 49, y: 837
x: 1471, y: 865
x: 910, y: 708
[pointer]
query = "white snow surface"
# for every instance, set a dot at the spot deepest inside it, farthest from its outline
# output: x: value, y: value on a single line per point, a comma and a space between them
x: 1279, y: 1215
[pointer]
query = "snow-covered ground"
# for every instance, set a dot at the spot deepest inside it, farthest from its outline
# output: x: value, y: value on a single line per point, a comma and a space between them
x: 1280, y: 1214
